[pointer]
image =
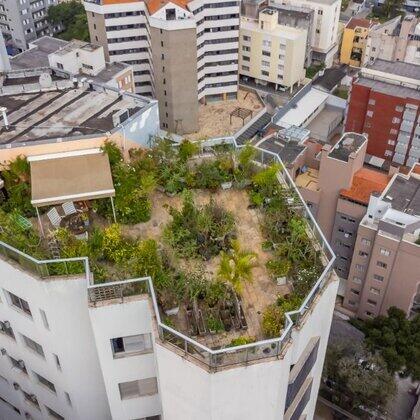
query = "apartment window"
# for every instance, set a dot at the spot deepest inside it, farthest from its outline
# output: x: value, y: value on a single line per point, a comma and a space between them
x: 385, y: 252
x: 388, y: 153
x: 365, y: 241
x: 245, y: 48
x: 60, y: 66
x: 133, y: 344
x: 33, y: 345
x: 355, y: 292
x: 369, y: 114
x: 161, y: 43
x: 54, y: 414
x: 265, y: 63
x: 246, y: 68
x: 266, y: 43
x: 363, y: 254
x: 351, y: 302
x: 318, y: 31
x: 378, y: 277
x: 266, y: 53
x: 399, y: 108
x: 369, y: 314
x: 264, y: 73
x: 5, y: 328
x: 140, y: 388
x: 391, y: 142
x: 381, y: 264
x: 375, y: 291
x: 393, y: 131
x: 359, y: 267
x: 357, y: 280
x: 31, y: 398
x: 18, y: 364
x: 396, y: 120
x: 57, y: 361
x: 319, y: 12
x: 371, y: 302
x: 245, y: 58
x: 372, y: 102
x: 44, y: 319
x: 19, y: 303
x: 67, y: 398
x: 162, y: 56
x: 246, y: 38
x: 45, y: 382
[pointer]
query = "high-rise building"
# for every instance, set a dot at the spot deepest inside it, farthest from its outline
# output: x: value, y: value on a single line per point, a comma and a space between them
x: 271, y: 53
x: 23, y: 21
x: 384, y: 270
x: 151, y: 35
x: 384, y: 103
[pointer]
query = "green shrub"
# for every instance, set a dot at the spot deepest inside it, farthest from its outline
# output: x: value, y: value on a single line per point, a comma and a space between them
x: 241, y: 341
x: 214, y: 324
x: 273, y: 321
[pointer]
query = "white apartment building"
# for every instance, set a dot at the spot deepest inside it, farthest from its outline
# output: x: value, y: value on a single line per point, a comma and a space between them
x: 151, y: 35
x: 70, y: 349
x: 271, y: 53
x: 22, y: 21
x: 324, y: 36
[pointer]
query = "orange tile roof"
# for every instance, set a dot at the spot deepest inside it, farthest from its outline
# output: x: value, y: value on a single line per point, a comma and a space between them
x: 155, y: 5
x: 365, y: 182
x: 105, y: 2
x: 416, y: 168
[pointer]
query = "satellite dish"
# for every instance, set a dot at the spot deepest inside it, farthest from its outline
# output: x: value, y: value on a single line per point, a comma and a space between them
x: 45, y: 80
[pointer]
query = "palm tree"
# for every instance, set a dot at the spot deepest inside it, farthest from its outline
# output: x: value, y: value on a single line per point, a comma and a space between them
x: 236, y: 266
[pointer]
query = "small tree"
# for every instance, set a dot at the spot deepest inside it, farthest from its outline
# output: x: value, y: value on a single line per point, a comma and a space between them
x: 236, y: 266
x: 355, y: 378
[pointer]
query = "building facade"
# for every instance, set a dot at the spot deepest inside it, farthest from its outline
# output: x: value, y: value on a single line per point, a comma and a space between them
x: 384, y: 270
x: 23, y: 21
x: 149, y: 36
x: 271, y: 53
x: 384, y: 103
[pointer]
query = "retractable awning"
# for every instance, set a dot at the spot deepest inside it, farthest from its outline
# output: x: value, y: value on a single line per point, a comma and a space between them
x: 70, y: 176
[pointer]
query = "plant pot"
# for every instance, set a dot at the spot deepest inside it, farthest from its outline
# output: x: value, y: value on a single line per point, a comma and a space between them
x: 226, y: 185
x: 172, y: 311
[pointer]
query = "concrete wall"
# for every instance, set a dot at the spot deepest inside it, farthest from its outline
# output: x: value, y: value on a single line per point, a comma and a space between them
x: 176, y: 78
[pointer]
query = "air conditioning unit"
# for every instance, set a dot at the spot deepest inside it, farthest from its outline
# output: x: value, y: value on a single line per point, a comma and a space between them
x: 33, y: 398
x: 21, y: 364
x: 16, y: 386
x: 3, y: 351
x: 6, y: 324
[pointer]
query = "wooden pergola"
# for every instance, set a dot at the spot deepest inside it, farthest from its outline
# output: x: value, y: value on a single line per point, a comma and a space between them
x: 242, y: 113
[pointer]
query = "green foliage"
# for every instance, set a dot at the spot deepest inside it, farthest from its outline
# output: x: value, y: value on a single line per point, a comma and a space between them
x: 18, y: 187
x: 236, y: 266
x: 241, y: 341
x: 187, y: 150
x: 133, y: 185
x: 72, y: 16
x: 396, y: 339
x: 266, y: 182
x: 279, y: 267
x: 273, y: 321
x: 355, y: 378
x: 313, y: 70
x: 214, y: 324
x: 216, y: 291
x: 199, y: 232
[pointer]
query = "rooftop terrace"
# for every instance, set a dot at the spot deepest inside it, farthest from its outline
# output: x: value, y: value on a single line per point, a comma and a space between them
x: 228, y: 258
x: 404, y: 194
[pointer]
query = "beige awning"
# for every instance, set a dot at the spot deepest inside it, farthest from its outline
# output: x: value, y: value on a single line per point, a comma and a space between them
x: 70, y: 176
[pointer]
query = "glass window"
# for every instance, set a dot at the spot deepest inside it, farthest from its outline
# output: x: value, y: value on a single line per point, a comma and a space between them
x: 385, y: 252
x: 123, y: 346
x: 45, y: 382
x: 140, y: 388
x: 381, y: 264
x: 33, y: 345
x: 378, y: 277
x: 20, y: 303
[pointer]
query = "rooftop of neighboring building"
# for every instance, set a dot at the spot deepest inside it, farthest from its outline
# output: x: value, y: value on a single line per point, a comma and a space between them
x: 348, y: 144
x: 399, y: 68
x: 331, y: 78
x: 284, y: 31
x: 308, y: 179
x: 389, y: 88
x: 365, y: 182
x: 403, y: 193
x: 354, y: 23
x: 37, y: 57
x: 63, y: 112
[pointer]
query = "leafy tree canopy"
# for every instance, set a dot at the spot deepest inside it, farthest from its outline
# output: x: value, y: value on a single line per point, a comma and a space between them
x: 396, y: 339
x: 355, y: 378
x: 73, y: 17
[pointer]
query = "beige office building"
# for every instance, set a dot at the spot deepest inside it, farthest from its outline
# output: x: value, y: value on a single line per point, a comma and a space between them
x: 271, y: 53
x: 386, y: 260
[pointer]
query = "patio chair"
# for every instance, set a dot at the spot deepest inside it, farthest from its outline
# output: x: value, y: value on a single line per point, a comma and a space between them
x: 69, y: 208
x: 54, y: 217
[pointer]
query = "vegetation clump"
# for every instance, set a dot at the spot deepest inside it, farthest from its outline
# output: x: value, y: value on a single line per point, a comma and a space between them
x: 199, y: 232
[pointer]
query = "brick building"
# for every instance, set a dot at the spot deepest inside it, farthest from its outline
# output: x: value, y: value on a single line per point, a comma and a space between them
x: 384, y: 103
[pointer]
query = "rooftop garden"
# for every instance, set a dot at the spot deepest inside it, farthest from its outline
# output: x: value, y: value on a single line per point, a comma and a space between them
x: 223, y: 241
